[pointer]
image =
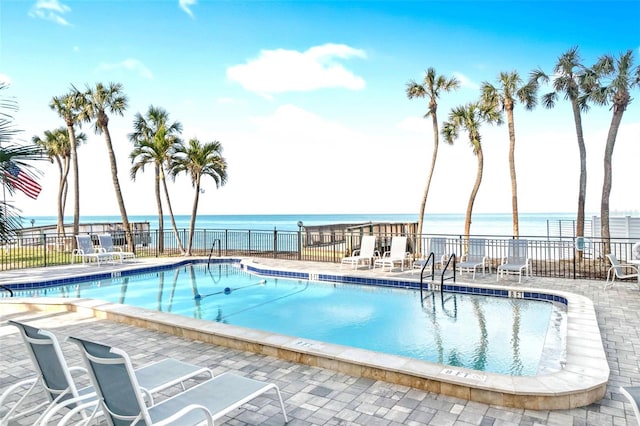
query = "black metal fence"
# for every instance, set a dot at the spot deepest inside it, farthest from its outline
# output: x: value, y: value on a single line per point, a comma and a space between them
x: 560, y: 257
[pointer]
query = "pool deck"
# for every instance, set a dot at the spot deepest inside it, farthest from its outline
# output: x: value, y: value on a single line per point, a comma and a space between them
x: 315, y: 395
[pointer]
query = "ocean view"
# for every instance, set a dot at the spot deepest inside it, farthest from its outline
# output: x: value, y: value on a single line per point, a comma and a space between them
x: 531, y: 224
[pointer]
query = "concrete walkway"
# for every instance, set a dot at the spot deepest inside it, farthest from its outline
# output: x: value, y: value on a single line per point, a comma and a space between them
x: 315, y: 396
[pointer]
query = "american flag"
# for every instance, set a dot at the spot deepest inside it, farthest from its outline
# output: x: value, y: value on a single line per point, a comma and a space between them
x: 22, y: 181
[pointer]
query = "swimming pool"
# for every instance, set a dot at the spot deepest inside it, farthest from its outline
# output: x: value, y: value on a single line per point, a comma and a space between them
x: 495, y: 334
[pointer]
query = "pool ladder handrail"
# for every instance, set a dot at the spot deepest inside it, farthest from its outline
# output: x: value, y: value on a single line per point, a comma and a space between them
x: 217, y: 240
x: 452, y: 258
x: 4, y: 287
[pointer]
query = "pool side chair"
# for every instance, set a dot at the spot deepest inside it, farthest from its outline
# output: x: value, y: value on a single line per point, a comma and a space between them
x: 106, y: 243
x: 56, y: 378
x: 364, y: 254
x: 122, y: 402
x: 476, y: 257
x: 88, y: 253
x: 437, y: 246
x: 632, y: 393
x: 619, y: 270
x: 517, y: 260
x: 397, y: 254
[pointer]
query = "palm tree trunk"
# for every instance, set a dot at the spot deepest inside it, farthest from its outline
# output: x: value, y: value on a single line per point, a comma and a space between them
x: 582, y: 190
x: 434, y: 155
x: 76, y: 181
x: 171, y: 217
x: 474, y: 192
x: 65, y: 187
x: 116, y: 186
x: 512, y: 171
x: 61, y: 181
x: 606, y: 184
x: 156, y: 190
x: 194, y: 210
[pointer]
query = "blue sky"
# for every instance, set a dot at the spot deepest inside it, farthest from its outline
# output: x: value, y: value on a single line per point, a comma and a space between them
x: 308, y: 99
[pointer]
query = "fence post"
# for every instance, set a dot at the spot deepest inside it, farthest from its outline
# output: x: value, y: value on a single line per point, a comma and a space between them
x: 300, y: 225
x: 44, y: 242
x: 275, y: 243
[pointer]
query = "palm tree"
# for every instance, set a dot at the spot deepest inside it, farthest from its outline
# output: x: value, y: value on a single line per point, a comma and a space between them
x: 67, y: 106
x: 155, y: 142
x: 11, y: 156
x: 504, y: 98
x: 469, y: 117
x: 96, y: 103
x: 610, y: 81
x: 57, y: 146
x: 569, y: 73
x: 431, y: 87
x: 198, y: 160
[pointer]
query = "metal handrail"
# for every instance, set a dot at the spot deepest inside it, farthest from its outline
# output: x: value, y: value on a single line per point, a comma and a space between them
x: 431, y: 258
x: 442, y: 278
x: 7, y: 289
x: 217, y: 240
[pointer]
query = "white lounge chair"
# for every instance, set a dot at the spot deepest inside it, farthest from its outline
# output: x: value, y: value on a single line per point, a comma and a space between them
x: 56, y: 379
x: 106, y: 243
x: 476, y: 257
x: 87, y: 252
x: 620, y: 271
x: 517, y: 260
x: 364, y: 254
x: 122, y: 402
x: 397, y: 254
x: 632, y: 393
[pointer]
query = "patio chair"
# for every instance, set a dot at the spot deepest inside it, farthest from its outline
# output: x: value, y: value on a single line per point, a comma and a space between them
x: 632, y: 393
x: 476, y: 257
x: 620, y: 271
x: 364, y: 254
x: 517, y: 260
x: 87, y: 252
x: 437, y: 246
x: 55, y: 377
x: 106, y: 243
x: 397, y: 254
x: 122, y: 402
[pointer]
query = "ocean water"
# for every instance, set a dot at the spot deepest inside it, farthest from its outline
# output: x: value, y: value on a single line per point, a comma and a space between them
x: 490, y: 224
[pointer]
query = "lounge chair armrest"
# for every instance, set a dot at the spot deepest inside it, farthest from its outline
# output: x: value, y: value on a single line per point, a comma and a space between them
x: 625, y: 266
x: 78, y: 369
x: 376, y: 253
x: 186, y: 410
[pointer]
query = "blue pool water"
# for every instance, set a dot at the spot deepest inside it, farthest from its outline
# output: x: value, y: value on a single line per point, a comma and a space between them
x: 502, y: 335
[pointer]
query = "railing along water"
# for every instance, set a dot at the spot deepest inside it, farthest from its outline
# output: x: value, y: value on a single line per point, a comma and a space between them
x: 554, y: 257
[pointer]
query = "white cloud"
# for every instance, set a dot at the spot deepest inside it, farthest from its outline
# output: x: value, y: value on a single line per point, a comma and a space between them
x: 280, y: 70
x: 50, y: 10
x: 186, y: 4
x: 466, y: 81
x: 417, y: 125
x: 128, y: 65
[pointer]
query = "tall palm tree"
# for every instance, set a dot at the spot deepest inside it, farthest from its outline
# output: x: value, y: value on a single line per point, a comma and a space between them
x: 431, y: 88
x: 568, y: 74
x: 198, y: 160
x: 470, y: 117
x: 96, y: 103
x: 67, y: 106
x: 57, y: 146
x: 504, y: 98
x: 610, y: 81
x: 155, y: 142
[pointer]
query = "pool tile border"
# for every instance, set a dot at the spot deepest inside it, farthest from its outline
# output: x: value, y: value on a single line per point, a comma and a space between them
x: 582, y: 381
